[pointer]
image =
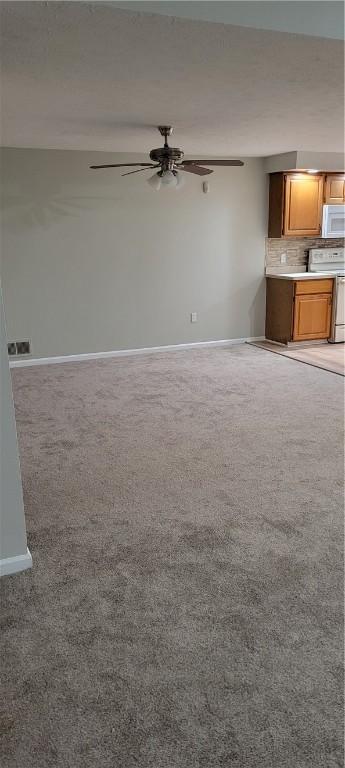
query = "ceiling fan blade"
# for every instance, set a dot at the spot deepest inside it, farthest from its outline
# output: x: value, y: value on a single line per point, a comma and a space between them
x: 140, y: 170
x: 195, y: 169
x: 121, y: 165
x: 213, y: 162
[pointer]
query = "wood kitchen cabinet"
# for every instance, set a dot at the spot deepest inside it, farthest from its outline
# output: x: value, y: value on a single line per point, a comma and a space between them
x: 334, y: 189
x: 295, y: 204
x: 312, y: 317
x: 298, y: 310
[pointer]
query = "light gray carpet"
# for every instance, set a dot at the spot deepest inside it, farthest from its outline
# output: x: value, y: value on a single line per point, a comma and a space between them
x: 185, y: 606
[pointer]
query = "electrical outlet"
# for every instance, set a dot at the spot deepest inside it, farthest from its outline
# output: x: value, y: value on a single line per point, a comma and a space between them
x: 283, y: 258
x: 23, y: 347
x: 194, y: 317
x: 11, y: 348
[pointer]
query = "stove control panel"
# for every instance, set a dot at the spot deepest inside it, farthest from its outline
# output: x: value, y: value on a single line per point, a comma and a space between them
x: 326, y: 258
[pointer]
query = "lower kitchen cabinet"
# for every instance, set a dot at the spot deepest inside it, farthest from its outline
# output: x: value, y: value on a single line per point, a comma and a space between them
x: 312, y: 317
x: 298, y: 310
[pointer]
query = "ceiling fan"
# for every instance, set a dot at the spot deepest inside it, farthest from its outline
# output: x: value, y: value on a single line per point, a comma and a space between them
x: 170, y: 162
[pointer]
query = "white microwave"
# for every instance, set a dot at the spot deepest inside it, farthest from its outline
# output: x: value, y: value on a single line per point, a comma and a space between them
x: 333, y: 221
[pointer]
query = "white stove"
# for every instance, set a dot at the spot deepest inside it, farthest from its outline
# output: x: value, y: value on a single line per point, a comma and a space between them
x: 332, y: 262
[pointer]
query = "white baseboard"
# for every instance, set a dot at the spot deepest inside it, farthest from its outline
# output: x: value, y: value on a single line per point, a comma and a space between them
x: 15, y: 564
x: 128, y: 352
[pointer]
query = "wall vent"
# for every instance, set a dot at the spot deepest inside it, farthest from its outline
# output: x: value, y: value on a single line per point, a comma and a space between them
x: 23, y: 347
x: 18, y: 348
x: 11, y: 348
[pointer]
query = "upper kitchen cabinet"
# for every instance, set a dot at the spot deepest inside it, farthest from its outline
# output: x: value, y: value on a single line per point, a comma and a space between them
x: 334, y: 190
x: 295, y: 204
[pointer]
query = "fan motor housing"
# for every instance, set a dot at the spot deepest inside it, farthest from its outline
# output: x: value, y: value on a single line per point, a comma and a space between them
x: 167, y: 156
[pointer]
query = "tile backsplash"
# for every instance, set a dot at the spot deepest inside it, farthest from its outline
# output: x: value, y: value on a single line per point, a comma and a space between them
x: 296, y: 251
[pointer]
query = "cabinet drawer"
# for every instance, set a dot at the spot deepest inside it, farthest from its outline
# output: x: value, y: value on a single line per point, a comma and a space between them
x: 314, y: 286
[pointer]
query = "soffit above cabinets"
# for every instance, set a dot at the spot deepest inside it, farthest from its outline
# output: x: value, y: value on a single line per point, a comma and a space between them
x: 292, y: 161
x: 319, y: 18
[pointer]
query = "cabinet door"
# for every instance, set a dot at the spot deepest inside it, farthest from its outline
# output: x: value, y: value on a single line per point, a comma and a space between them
x: 312, y: 316
x: 335, y: 189
x: 303, y: 204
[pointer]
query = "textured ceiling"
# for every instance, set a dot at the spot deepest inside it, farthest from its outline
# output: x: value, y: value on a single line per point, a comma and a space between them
x: 90, y: 76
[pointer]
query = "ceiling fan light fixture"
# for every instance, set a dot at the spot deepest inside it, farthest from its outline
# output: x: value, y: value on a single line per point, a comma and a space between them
x: 170, y: 161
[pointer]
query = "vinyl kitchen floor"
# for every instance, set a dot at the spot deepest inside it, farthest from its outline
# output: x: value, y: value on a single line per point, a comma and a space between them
x: 330, y: 357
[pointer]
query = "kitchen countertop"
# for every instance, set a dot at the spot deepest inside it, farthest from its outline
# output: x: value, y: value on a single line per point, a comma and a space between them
x: 303, y: 275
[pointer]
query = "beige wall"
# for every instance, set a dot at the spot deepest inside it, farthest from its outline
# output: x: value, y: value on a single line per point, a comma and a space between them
x: 93, y: 262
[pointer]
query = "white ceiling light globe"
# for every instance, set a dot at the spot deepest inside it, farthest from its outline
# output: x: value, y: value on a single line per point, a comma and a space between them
x: 155, y: 181
x: 169, y: 179
x: 180, y: 180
